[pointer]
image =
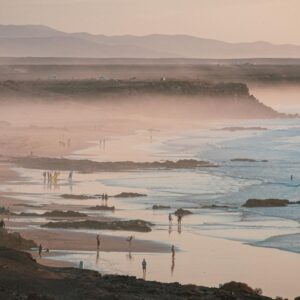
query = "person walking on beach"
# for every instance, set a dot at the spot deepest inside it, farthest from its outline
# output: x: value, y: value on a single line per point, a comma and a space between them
x: 40, y: 250
x: 44, y: 175
x: 179, y: 218
x: 170, y: 219
x: 98, y: 242
x: 106, y: 198
x: 2, y: 224
x: 144, y: 267
x: 129, y: 240
x: 70, y: 176
x: 173, y: 252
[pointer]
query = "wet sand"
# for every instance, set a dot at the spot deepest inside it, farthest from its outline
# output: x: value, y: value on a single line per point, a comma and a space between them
x: 82, y: 241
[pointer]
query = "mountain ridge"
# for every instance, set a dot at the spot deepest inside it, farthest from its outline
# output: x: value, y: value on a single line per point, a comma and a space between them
x: 44, y: 41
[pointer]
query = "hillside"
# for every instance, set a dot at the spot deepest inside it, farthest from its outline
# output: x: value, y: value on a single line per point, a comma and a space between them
x: 42, y: 41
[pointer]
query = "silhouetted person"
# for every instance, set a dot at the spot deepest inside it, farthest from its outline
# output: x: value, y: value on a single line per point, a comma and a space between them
x: 173, y: 266
x: 98, y: 242
x: 40, y: 250
x: 70, y: 176
x: 44, y: 175
x: 144, y: 267
x: 173, y: 251
x: 129, y: 240
x: 2, y: 224
x: 179, y: 218
x: 170, y: 219
x: 292, y: 177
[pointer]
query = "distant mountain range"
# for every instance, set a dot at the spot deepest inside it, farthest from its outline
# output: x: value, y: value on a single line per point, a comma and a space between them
x: 43, y: 41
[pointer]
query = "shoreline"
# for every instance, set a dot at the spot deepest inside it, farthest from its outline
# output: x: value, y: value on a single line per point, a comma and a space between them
x: 208, y: 252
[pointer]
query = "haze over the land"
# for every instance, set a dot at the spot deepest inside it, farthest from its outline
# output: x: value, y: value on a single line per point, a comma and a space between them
x: 43, y: 41
x: 276, y: 21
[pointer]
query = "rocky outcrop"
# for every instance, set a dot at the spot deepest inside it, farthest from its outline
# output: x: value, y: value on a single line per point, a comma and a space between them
x: 78, y: 197
x: 129, y: 195
x: 86, y: 166
x: 266, y: 203
x: 160, y: 207
x: 15, y: 241
x: 21, y: 277
x: 182, y: 212
x: 55, y: 214
x: 132, y: 225
x: 102, y: 207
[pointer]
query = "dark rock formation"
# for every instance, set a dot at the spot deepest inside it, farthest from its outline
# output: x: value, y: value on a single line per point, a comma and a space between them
x: 15, y: 241
x: 182, y: 212
x: 266, y: 203
x: 78, y: 197
x: 129, y: 195
x: 64, y: 164
x: 55, y: 214
x: 102, y: 207
x: 160, y: 207
x: 132, y: 225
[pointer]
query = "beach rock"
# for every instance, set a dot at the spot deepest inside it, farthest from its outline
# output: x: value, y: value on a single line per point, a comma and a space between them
x: 132, y: 225
x: 160, y: 207
x: 129, y: 195
x: 78, y: 197
x: 55, y: 214
x: 22, y: 278
x: 15, y: 241
x: 102, y: 207
x: 64, y: 214
x: 266, y: 203
x: 182, y: 212
x: 64, y: 164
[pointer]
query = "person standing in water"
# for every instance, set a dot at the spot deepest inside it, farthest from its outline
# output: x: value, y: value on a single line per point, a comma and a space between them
x: 129, y: 240
x: 170, y: 219
x: 173, y: 252
x: 40, y: 250
x: 44, y: 175
x: 70, y: 176
x: 292, y: 177
x: 98, y: 242
x: 144, y: 267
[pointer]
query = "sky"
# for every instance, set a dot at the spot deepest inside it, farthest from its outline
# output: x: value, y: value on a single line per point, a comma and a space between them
x: 276, y: 21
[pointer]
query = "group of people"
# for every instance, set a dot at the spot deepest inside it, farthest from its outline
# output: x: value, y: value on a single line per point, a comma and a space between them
x: 179, y: 220
x: 104, y: 199
x: 50, y: 177
x: 64, y: 143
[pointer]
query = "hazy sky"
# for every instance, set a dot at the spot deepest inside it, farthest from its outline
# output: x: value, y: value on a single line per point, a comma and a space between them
x: 276, y: 21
